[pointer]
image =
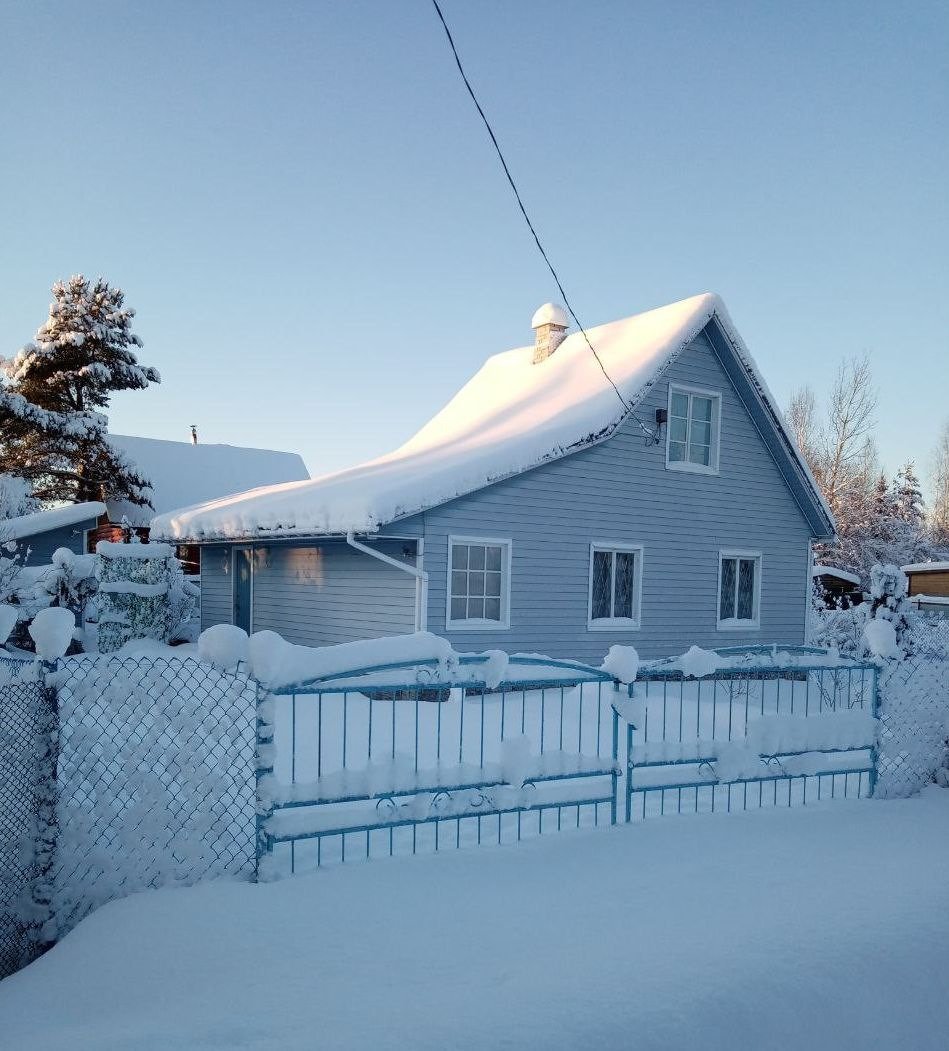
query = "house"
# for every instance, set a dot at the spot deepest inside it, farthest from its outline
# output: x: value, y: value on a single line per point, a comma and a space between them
x: 540, y: 512
x: 185, y: 473
x: 928, y: 586
x: 39, y: 534
x: 839, y: 587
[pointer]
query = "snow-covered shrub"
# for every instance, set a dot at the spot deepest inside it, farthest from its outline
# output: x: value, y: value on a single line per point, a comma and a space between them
x: 52, y: 631
x: 888, y: 602
x: 143, y: 593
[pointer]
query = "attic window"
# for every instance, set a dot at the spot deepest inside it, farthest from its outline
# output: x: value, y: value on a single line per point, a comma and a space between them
x: 692, y: 437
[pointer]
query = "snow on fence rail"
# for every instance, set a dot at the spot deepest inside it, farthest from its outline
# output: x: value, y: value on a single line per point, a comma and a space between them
x: 171, y: 769
x: 416, y: 755
x: 748, y: 727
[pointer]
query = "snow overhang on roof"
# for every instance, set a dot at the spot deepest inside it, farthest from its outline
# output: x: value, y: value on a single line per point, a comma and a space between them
x: 44, y: 521
x: 511, y: 416
x: 927, y: 567
x: 836, y: 571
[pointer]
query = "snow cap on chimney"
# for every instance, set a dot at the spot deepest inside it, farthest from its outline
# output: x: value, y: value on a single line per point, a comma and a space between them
x: 550, y: 324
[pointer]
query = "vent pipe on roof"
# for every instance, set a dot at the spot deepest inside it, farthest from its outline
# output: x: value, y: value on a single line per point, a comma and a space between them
x: 194, y: 434
x: 550, y: 324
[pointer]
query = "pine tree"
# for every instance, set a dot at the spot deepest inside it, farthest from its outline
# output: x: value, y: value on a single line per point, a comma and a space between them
x: 54, y: 433
x: 907, y: 497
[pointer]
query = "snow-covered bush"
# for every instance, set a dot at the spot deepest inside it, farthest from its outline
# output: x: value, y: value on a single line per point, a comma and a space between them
x: 143, y: 593
x: 888, y: 602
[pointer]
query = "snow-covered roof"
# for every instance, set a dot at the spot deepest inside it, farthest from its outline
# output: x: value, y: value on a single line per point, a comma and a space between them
x: 511, y: 416
x: 43, y: 521
x: 927, y: 567
x: 836, y: 571
x: 183, y: 474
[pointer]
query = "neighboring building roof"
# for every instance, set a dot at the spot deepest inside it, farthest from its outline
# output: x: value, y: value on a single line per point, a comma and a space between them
x: 511, y: 416
x: 183, y: 474
x: 834, y: 571
x: 927, y: 567
x: 44, y: 521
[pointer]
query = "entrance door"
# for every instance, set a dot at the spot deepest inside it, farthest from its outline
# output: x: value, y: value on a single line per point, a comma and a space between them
x: 243, y: 592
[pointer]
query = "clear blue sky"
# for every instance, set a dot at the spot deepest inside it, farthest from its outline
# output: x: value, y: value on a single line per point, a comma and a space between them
x: 302, y: 206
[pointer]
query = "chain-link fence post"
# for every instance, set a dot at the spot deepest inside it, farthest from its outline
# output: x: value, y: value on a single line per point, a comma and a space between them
x: 875, y: 750
x: 47, y: 825
x: 263, y: 769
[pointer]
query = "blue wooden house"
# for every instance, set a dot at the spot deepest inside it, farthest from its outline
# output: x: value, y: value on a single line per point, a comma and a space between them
x: 39, y: 534
x: 544, y: 510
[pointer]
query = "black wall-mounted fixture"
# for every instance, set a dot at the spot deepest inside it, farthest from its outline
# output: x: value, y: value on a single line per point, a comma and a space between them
x: 662, y: 418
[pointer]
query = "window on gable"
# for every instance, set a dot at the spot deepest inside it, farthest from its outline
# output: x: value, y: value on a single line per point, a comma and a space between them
x: 478, y: 583
x: 739, y: 588
x: 693, y: 430
x: 615, y: 573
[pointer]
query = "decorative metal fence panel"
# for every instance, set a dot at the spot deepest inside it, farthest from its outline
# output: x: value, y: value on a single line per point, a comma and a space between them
x: 389, y: 766
x: 25, y: 708
x: 750, y: 736
x: 155, y: 778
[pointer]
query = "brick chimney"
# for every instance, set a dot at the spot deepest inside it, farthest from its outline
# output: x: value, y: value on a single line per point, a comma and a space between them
x: 550, y: 324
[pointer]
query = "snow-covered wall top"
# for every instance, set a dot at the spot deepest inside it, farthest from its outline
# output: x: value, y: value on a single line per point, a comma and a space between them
x: 511, y: 416
x: 183, y: 474
x: 45, y: 521
x: 927, y: 567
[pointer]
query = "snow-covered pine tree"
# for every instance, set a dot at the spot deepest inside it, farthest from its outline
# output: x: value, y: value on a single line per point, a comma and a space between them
x: 907, y: 496
x: 16, y: 498
x: 939, y: 509
x: 53, y: 432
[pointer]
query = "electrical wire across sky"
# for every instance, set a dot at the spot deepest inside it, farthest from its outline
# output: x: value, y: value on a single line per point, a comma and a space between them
x: 474, y: 98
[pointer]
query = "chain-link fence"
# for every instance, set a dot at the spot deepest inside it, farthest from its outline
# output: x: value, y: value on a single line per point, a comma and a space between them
x: 118, y: 773
x: 914, y: 713
x: 155, y: 778
x: 25, y: 709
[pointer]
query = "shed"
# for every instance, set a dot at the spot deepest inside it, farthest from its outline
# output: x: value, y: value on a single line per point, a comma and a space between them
x: 39, y: 534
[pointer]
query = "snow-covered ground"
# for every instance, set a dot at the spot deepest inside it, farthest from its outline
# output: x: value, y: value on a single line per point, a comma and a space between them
x: 825, y: 927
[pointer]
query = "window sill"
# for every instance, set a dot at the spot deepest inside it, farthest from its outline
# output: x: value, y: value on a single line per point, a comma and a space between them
x: 613, y: 625
x: 689, y: 468
x: 738, y: 625
x: 477, y: 625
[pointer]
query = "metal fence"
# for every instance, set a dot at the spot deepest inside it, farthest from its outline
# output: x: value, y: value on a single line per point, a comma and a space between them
x: 147, y: 772
x: 415, y: 758
x: 767, y: 732
x: 168, y: 771
x: 914, y: 718
x: 25, y: 710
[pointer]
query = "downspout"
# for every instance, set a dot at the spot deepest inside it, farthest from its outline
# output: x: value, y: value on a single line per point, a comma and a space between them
x: 421, y: 589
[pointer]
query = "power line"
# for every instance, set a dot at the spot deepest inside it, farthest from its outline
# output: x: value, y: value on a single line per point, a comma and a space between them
x: 527, y: 220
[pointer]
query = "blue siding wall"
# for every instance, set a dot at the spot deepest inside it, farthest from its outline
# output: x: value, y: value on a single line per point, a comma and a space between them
x: 42, y: 545
x: 315, y: 594
x: 621, y: 491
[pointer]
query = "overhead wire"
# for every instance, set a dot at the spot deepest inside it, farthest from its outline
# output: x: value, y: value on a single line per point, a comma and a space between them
x: 507, y: 171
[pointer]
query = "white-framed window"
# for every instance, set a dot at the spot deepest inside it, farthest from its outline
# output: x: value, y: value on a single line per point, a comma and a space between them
x: 616, y: 572
x: 479, y: 583
x: 693, y: 430
x: 739, y: 589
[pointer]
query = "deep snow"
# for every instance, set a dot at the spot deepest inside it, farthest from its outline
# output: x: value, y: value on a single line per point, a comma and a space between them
x: 818, y: 928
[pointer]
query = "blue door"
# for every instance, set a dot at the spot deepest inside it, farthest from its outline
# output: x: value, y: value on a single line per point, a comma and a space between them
x: 243, y: 587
